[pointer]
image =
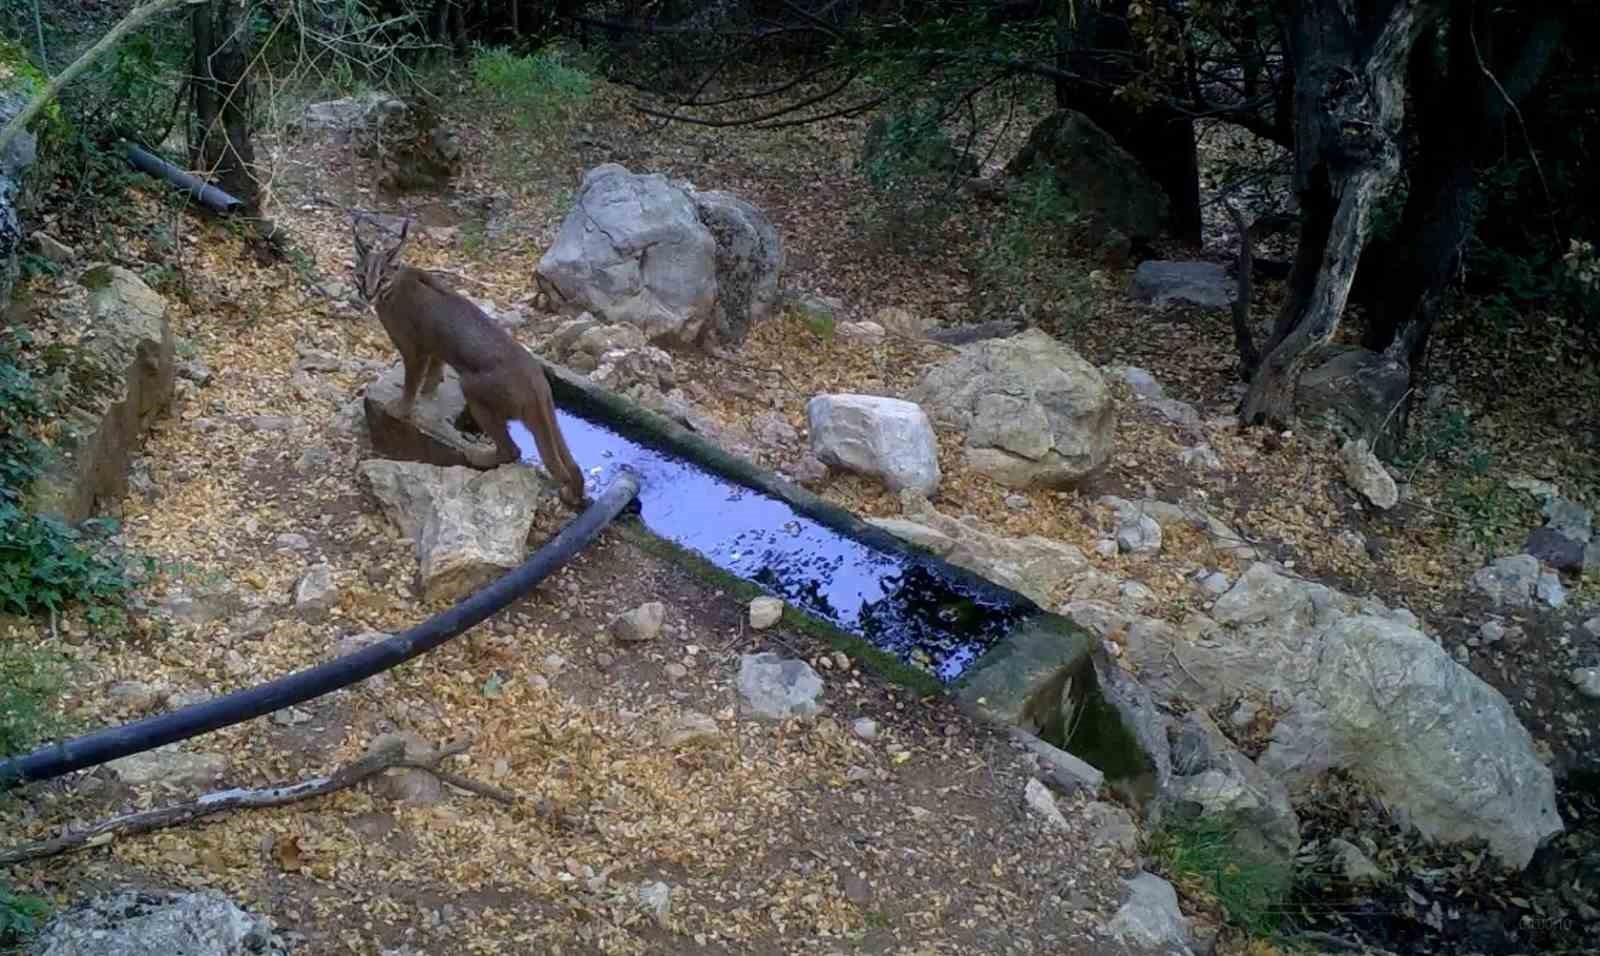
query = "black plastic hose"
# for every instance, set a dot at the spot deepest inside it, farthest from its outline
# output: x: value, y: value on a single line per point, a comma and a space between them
x: 197, y: 189
x: 152, y: 732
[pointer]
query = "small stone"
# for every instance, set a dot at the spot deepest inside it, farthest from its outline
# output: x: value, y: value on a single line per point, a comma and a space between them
x: 765, y: 612
x: 290, y: 717
x: 168, y: 765
x: 316, y: 592
x: 641, y: 624
x: 855, y: 888
x: 675, y: 671
x: 1366, y: 474
x: 691, y: 729
x: 865, y: 727
x: 1018, y: 502
x: 1592, y: 626
x: 778, y: 689
x: 809, y: 470
x: 655, y: 899
x: 1356, y: 866
x: 1215, y: 584
x: 135, y: 697
x: 1111, y: 826
x: 553, y: 663
x: 603, y: 660
x: 1043, y: 803
x: 290, y: 541
x: 1549, y: 590
x: 52, y: 248
x: 865, y: 333
x: 538, y: 683
x: 1200, y: 458
x: 1245, y: 714
x: 841, y: 660
x: 1491, y: 632
x: 1105, y: 548
x: 1587, y: 680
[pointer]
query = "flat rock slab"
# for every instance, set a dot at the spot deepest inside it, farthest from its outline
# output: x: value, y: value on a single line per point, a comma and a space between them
x: 1164, y: 283
x: 434, y: 435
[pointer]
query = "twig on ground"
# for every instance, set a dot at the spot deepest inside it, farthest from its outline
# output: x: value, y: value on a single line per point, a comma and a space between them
x: 390, y: 756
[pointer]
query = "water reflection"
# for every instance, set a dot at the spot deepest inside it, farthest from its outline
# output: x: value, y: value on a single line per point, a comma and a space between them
x: 903, y: 605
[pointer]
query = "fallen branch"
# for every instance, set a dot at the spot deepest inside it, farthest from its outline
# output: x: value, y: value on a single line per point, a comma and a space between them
x: 391, y: 756
x: 126, y: 25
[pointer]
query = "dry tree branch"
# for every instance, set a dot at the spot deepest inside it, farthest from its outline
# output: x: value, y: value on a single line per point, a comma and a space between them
x: 390, y: 756
x: 126, y: 25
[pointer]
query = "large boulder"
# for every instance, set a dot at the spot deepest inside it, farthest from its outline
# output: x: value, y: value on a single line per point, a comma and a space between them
x: 470, y: 527
x: 1363, y: 689
x: 749, y: 261
x: 1098, y: 176
x: 125, y: 358
x: 139, y: 922
x: 1359, y: 394
x: 681, y: 265
x: 365, y: 120
x: 1203, y: 284
x: 1035, y: 413
x: 886, y: 438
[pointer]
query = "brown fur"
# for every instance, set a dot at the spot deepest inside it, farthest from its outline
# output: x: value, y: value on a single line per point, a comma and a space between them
x: 431, y: 324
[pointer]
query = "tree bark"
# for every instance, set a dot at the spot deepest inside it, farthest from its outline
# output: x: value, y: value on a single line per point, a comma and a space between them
x: 220, y: 140
x: 1462, y: 113
x: 1349, y: 66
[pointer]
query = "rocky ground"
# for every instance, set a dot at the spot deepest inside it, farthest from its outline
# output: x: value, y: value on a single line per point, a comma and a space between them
x: 639, y: 764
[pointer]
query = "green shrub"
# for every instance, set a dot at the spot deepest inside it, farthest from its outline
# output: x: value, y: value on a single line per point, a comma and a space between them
x: 539, y: 89
x: 29, y: 681
x: 1028, y: 263
x: 20, y: 915
x: 1202, y: 856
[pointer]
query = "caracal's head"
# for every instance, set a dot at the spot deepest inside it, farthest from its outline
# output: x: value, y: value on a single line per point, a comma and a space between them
x: 375, y: 268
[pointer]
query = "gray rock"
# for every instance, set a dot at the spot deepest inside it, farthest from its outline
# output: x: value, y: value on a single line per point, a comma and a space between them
x: 1587, y: 680
x: 291, y: 541
x: 1033, y: 411
x: 1365, y: 473
x: 778, y: 689
x: 902, y: 322
x: 137, y: 697
x: 1212, y: 779
x: 690, y: 729
x: 1549, y: 590
x: 642, y: 623
x: 1555, y: 549
x: 1357, y: 392
x: 1203, y: 284
x: 1033, y: 566
x: 1066, y: 772
x: 1178, y: 413
x: 1111, y: 826
x: 316, y: 593
x: 470, y: 527
x: 1591, y: 627
x: 1367, y: 691
x: 765, y: 611
x: 865, y: 727
x: 365, y: 117
x: 407, y: 784
x: 655, y: 899
x: 168, y: 765
x: 53, y: 249
x: 885, y: 438
x: 633, y: 249
x: 749, y: 260
x: 1218, y: 533
x: 1214, y: 584
x: 1042, y: 803
x: 1137, y: 532
x: 1151, y: 918
x: 1508, y: 581
x: 863, y: 333
x: 1200, y: 458
x: 121, y: 329
x: 1141, y: 381
x: 1567, y: 517
x: 1353, y: 864
x: 1098, y: 176
x: 141, y: 922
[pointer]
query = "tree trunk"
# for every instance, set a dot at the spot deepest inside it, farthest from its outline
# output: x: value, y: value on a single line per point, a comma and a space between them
x: 1463, y: 113
x: 219, y: 141
x: 1349, y: 103
x: 1161, y: 140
